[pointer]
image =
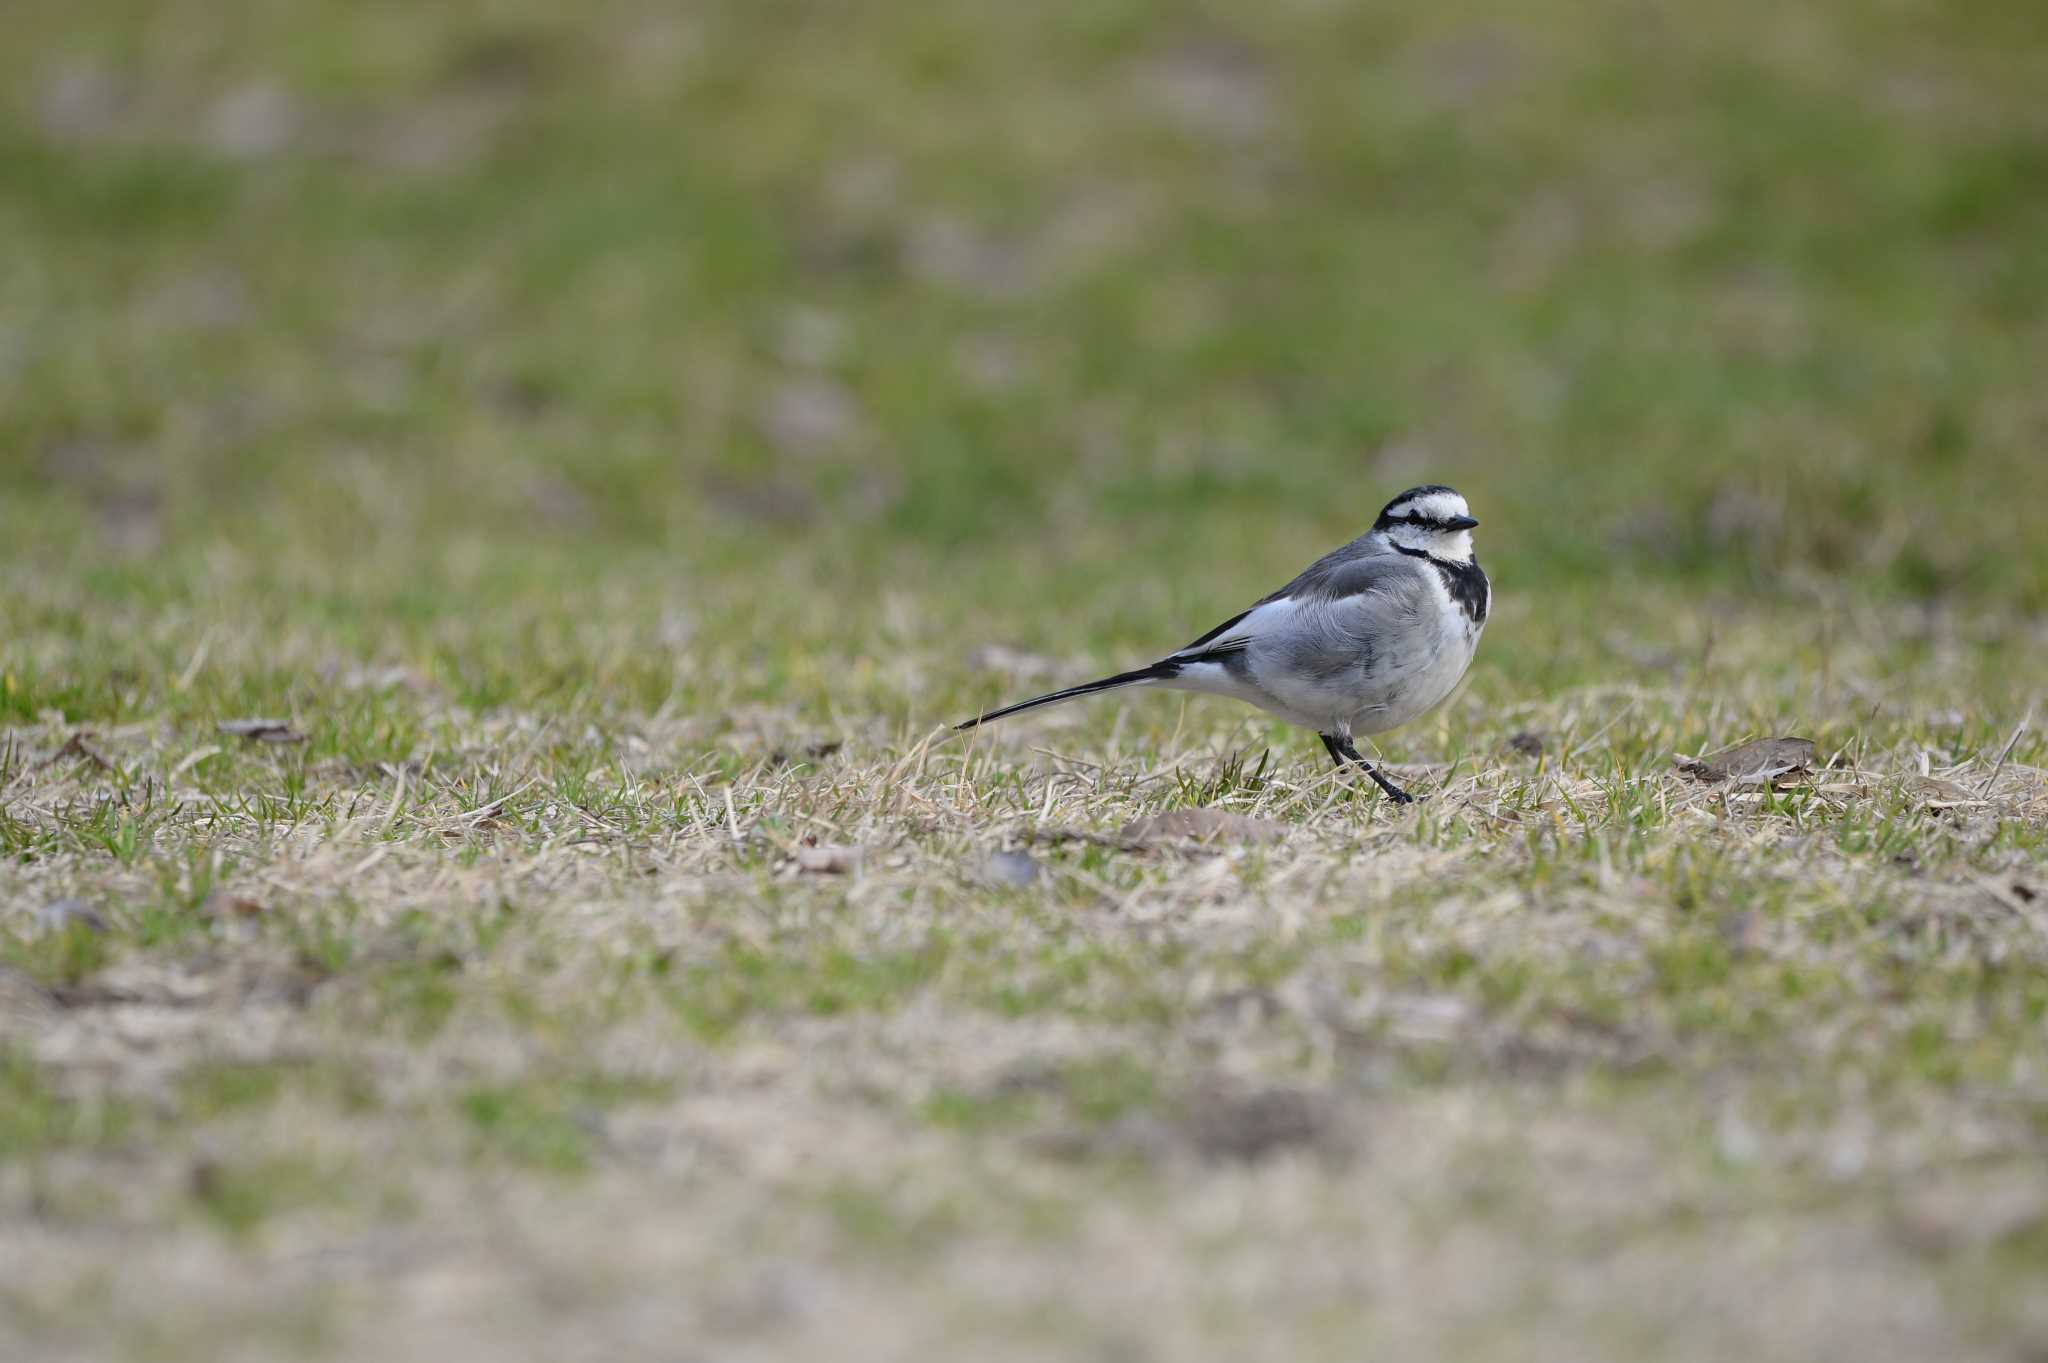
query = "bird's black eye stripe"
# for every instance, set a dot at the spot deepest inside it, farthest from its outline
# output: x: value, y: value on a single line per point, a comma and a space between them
x: 1424, y: 522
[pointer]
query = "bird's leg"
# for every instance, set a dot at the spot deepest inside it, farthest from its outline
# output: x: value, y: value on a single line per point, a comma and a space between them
x: 1342, y: 746
x: 1334, y: 746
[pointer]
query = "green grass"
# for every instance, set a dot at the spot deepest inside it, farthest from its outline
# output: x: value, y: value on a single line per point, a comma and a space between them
x: 618, y: 440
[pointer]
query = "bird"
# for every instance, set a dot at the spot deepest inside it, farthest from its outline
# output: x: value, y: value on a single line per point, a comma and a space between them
x: 1370, y: 636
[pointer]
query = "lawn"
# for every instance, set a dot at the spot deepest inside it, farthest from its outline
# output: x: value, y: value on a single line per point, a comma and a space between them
x: 609, y: 445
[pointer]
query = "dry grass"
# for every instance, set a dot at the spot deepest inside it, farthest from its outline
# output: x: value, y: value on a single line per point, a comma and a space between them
x: 601, y: 1034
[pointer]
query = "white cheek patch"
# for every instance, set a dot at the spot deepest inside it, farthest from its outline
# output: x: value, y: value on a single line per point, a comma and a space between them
x: 1455, y: 547
x: 1410, y: 536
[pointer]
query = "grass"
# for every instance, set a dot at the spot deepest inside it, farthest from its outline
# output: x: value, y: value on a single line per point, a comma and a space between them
x: 615, y: 445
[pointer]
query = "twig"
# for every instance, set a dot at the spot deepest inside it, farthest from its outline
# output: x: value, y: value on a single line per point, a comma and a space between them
x: 75, y: 746
x: 2004, y: 753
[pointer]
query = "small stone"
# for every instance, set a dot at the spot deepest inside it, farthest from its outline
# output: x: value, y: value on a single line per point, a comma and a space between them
x: 253, y: 121
x: 81, y: 102
x: 59, y: 914
x: 828, y: 861
x: 808, y: 417
x: 261, y: 730
x: 1011, y: 868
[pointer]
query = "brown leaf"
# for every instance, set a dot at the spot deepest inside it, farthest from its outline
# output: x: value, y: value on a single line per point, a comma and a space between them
x: 1249, y: 1126
x: 76, y: 746
x: 261, y: 730
x: 814, y: 752
x: 1761, y: 761
x: 1213, y: 1122
x: 1202, y: 825
x: 1938, y: 794
x: 222, y: 905
x: 1957, y: 1213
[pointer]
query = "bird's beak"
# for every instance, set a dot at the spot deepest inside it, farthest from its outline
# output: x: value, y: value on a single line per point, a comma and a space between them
x: 1461, y: 522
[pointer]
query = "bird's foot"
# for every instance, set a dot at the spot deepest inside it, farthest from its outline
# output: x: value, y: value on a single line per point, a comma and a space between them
x: 1394, y: 792
x: 1342, y: 750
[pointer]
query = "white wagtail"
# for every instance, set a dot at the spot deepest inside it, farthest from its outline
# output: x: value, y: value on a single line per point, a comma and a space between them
x: 1367, y: 638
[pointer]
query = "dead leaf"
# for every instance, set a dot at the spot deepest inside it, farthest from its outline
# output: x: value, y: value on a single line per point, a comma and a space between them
x: 261, y: 730
x: 828, y: 861
x: 75, y: 746
x: 1939, y: 795
x: 1201, y: 825
x: 1248, y: 1126
x: 1212, y: 1123
x: 1053, y: 836
x: 1761, y: 761
x: 221, y: 905
x: 204, y: 1178
x: 812, y: 752
x: 1957, y: 1213
x: 138, y: 983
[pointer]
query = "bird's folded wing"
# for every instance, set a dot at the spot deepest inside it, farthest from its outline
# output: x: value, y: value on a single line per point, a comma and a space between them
x: 1349, y: 592
x: 1225, y: 638
x: 1236, y: 634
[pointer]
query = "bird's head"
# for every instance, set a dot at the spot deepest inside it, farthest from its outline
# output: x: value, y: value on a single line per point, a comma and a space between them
x: 1431, y: 520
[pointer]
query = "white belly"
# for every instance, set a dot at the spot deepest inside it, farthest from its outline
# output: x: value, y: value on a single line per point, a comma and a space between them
x: 1418, y: 685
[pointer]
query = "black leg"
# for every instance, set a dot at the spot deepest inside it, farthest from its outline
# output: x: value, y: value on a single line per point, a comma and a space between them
x: 1345, y: 748
x: 1334, y: 747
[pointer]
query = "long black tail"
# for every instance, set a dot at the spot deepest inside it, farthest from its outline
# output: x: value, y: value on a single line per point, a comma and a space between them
x: 1160, y: 671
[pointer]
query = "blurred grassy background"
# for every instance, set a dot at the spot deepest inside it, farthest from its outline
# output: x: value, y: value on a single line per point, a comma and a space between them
x: 804, y: 326
x: 611, y: 436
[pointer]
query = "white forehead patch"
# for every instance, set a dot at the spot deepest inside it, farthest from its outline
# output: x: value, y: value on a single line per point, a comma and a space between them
x: 1435, y: 506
